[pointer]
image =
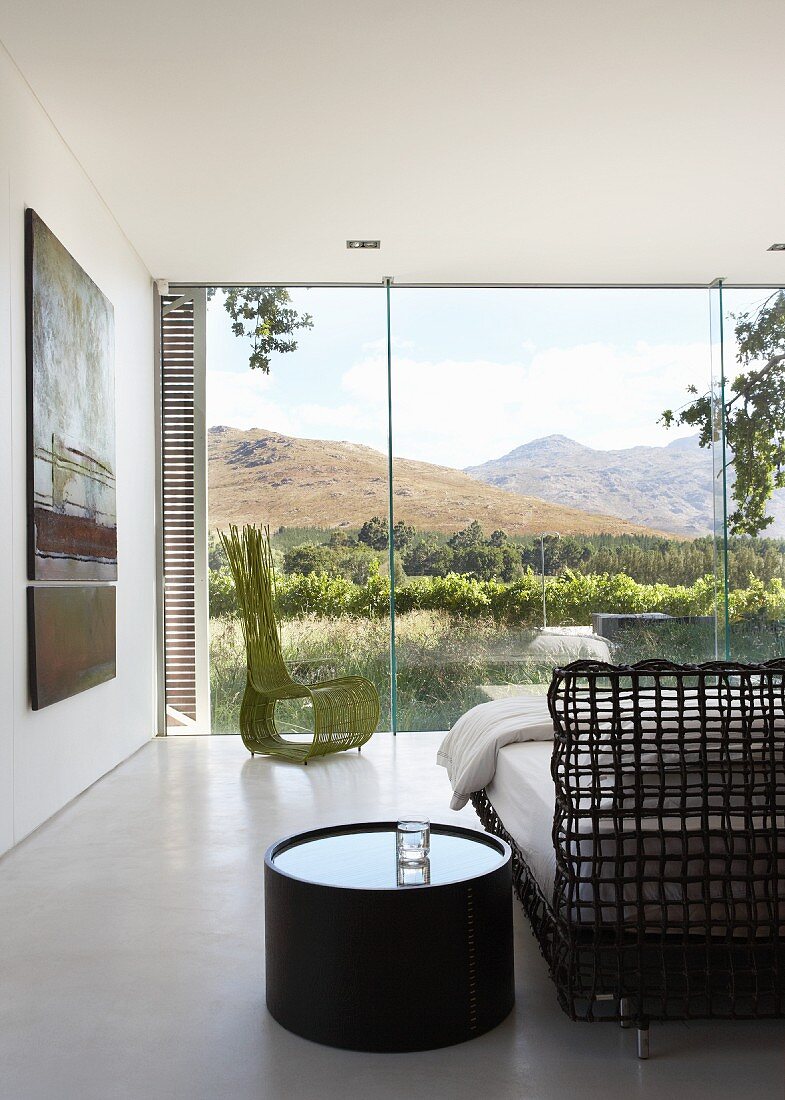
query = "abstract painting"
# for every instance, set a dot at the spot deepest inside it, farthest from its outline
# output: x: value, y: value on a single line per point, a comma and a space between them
x: 71, y: 633
x: 72, y: 522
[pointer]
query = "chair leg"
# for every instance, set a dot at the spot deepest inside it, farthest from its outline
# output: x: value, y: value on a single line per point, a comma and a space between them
x: 643, y: 1037
x: 624, y: 1012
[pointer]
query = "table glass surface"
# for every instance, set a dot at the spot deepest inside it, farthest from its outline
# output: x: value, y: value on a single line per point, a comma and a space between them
x: 367, y: 859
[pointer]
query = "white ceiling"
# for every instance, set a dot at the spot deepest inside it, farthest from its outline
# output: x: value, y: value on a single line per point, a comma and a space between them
x: 556, y: 141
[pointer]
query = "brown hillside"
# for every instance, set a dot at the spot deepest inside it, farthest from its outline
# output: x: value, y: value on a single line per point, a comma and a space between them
x: 258, y: 476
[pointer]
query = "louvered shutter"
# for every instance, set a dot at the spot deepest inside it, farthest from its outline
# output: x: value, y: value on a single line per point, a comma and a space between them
x: 184, y: 512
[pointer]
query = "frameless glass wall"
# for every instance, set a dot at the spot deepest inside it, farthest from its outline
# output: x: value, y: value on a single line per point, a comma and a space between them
x: 553, y: 505
x: 561, y: 486
x: 753, y: 395
x: 297, y: 441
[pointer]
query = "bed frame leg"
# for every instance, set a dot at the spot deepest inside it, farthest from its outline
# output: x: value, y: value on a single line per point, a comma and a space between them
x: 624, y: 1012
x: 643, y: 1038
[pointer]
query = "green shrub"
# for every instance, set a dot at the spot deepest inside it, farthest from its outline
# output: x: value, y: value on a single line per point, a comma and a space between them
x: 341, y: 560
x: 223, y: 600
x: 310, y: 557
x: 313, y: 594
x: 571, y: 598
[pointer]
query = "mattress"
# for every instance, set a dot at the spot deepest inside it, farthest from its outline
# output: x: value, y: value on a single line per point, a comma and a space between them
x: 523, y: 795
x: 610, y: 876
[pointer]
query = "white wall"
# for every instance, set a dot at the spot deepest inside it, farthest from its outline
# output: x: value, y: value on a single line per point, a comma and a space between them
x: 48, y: 757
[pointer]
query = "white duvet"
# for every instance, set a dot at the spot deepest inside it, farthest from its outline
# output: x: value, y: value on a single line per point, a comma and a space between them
x: 471, y: 748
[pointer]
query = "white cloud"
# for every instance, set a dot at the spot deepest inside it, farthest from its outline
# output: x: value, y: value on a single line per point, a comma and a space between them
x: 379, y: 347
x: 463, y: 412
x: 243, y: 401
x: 345, y: 420
x: 249, y: 401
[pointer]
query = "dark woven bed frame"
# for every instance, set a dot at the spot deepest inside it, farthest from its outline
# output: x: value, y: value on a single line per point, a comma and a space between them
x: 669, y: 834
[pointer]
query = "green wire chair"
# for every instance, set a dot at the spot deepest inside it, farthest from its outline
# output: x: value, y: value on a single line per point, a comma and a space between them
x: 345, y: 710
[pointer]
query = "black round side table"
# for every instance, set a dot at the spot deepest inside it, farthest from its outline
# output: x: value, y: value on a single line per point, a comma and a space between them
x: 355, y: 960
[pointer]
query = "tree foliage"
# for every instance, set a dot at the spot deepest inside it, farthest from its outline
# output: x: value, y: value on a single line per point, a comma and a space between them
x: 374, y: 533
x: 403, y: 535
x: 351, y: 562
x: 469, y: 538
x: 754, y: 408
x: 264, y: 316
x: 468, y: 552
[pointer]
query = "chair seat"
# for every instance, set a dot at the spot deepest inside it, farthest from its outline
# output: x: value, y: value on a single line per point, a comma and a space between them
x: 345, y: 715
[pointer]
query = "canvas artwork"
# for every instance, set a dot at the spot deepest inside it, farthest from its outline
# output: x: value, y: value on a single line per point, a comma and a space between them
x: 71, y: 633
x: 72, y: 526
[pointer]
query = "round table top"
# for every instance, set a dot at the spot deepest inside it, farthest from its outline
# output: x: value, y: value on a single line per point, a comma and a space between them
x: 363, y: 856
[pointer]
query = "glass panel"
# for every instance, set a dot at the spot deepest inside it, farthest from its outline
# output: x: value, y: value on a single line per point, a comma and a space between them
x: 543, y: 510
x: 720, y: 470
x: 753, y: 340
x: 301, y: 447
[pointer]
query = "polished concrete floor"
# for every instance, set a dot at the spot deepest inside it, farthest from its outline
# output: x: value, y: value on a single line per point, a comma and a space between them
x: 132, y: 962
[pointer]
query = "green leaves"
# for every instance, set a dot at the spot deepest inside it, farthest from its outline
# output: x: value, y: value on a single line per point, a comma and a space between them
x: 754, y: 415
x: 470, y: 537
x: 374, y: 533
x: 263, y: 315
x: 571, y: 597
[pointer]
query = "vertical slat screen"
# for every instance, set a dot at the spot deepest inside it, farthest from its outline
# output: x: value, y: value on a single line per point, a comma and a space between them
x: 182, y: 430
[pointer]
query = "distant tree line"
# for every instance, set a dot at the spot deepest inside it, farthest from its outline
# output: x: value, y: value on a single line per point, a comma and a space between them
x: 653, y: 560
x: 647, y: 559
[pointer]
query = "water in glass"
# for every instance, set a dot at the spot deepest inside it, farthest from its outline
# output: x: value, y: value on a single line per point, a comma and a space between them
x: 413, y: 840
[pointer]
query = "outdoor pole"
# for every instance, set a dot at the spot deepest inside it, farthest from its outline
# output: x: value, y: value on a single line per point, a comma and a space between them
x: 542, y: 574
x: 543, y: 536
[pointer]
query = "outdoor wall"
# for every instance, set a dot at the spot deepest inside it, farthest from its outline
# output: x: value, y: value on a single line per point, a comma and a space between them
x: 50, y: 756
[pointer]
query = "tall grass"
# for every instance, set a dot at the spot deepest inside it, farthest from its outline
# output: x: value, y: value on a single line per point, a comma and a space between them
x: 443, y: 663
x: 751, y: 641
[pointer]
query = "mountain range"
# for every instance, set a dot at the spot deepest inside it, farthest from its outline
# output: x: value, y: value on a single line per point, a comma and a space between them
x: 259, y: 476
x: 549, y: 484
x: 670, y: 488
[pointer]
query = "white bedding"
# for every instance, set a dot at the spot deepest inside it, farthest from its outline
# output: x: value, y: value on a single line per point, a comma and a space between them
x: 470, y: 749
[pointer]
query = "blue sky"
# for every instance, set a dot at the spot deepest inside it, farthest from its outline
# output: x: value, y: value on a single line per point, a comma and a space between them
x: 476, y: 372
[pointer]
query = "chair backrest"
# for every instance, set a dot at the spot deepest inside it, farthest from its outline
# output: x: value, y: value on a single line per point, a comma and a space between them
x: 670, y: 797
x: 250, y: 559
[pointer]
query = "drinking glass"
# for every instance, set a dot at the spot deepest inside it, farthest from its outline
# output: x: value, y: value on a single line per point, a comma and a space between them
x: 413, y: 840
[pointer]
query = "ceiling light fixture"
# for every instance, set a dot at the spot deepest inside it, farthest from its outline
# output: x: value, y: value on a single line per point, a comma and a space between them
x: 363, y: 244
x: 777, y: 247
